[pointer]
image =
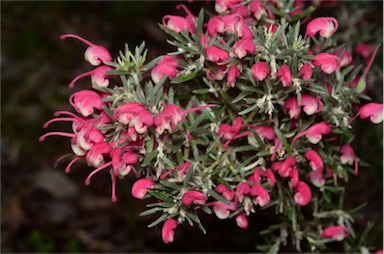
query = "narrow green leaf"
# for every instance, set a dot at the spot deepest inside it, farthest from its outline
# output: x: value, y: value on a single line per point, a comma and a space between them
x: 160, y: 196
x: 218, y: 197
x: 159, y: 220
x: 247, y: 110
x: 283, y: 140
x: 149, y: 157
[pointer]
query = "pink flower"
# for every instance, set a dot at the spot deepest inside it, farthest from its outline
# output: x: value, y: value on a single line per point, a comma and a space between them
x: 336, y: 232
x: 294, y: 175
x: 95, y: 156
x: 166, y: 66
x: 277, y: 148
x: 348, y: 156
x: 216, y: 25
x: 233, y: 73
x: 314, y: 133
x: 227, y: 193
x: 270, y: 176
x: 263, y: 197
x: 303, y: 194
x: 94, y: 54
x: 222, y: 5
x: 236, y: 24
x: 216, y: 54
x: 216, y: 76
x: 242, y: 220
x: 264, y: 132
x: 98, y: 77
x: 260, y: 71
x: 327, y: 27
x: 306, y: 71
x: 195, y: 197
x: 134, y: 115
x: 172, y: 115
x: 177, y: 23
x: 293, y: 108
x: 311, y: 105
x: 223, y: 210
x: 317, y: 178
x: 345, y: 58
x: 287, y: 165
x: 328, y: 62
x: 372, y: 110
x: 285, y: 75
x: 243, y: 47
x: 86, y: 101
x: 181, y: 169
x: 140, y: 187
x: 167, y: 230
x: 365, y: 50
x: 315, y: 160
x: 242, y: 190
x: 259, y: 9
x: 229, y: 132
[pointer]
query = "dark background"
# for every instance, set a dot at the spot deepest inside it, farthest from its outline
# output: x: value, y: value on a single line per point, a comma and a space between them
x: 45, y: 210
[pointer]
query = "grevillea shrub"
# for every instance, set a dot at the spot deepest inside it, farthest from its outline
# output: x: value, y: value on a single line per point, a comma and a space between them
x: 253, y: 110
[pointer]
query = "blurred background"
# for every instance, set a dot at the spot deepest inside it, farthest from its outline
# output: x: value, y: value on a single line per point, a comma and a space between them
x: 44, y: 210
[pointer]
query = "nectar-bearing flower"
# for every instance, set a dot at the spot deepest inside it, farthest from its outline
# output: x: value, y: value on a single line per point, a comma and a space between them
x: 327, y: 26
x: 94, y: 54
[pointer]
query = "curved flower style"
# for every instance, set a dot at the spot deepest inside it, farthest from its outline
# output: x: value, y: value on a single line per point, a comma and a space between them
x: 98, y: 77
x: 306, y: 71
x: 336, y: 232
x: 167, y: 230
x: 178, y: 24
x: 140, y: 187
x: 315, y: 160
x: 230, y: 132
x: 225, y: 192
x: 216, y: 54
x: 94, y: 54
x: 286, y: 167
x: 233, y: 73
x: 372, y: 110
x: 348, y: 156
x: 166, y: 66
x: 326, y: 25
x: 262, y: 194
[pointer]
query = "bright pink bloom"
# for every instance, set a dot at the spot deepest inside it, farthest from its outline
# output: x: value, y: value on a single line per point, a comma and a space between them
x: 294, y: 175
x: 216, y: 54
x: 242, y: 220
x: 177, y: 23
x: 345, y: 58
x: 314, y: 133
x: 167, y: 230
x: 95, y: 156
x: 216, y: 25
x: 264, y: 132
x: 229, y: 132
x: 98, y: 77
x: 335, y: 232
x: 94, y: 54
x: 327, y: 27
x: 242, y: 189
x: 260, y: 71
x: 271, y: 28
x: 263, y: 197
x: 223, y: 210
x: 243, y: 47
x: 134, y: 115
x: 317, y: 178
x: 140, y: 187
x: 379, y: 252
x: 315, y: 160
x: 195, y: 197
x: 240, y: 9
x: 303, y: 193
x: 285, y: 75
x: 172, y: 115
x: 233, y: 73
x: 372, y: 110
x: 287, y: 165
x: 236, y: 24
x: 166, y: 66
x: 227, y: 193
x: 327, y: 62
x: 222, y: 5
x: 86, y: 101
x: 270, y: 176
x: 311, y: 105
x: 293, y: 108
x: 276, y: 148
x: 306, y: 71
x: 182, y: 169
x: 259, y: 9
x: 348, y: 156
